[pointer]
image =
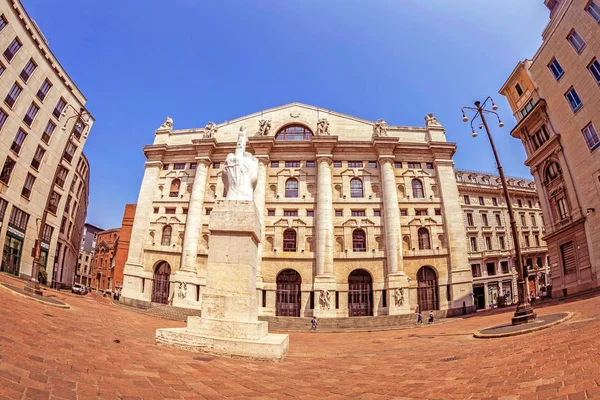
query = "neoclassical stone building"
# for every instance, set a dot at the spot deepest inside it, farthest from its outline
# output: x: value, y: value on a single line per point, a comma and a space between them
x: 360, y: 218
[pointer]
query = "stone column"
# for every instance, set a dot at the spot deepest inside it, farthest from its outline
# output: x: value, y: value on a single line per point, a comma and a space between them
x: 186, y: 279
x: 391, y: 217
x: 324, y: 221
x: 134, y: 270
x: 259, y: 201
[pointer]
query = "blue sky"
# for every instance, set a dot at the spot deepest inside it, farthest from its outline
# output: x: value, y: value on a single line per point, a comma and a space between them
x: 138, y: 61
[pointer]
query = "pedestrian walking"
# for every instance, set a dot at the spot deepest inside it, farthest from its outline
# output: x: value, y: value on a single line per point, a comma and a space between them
x: 314, y: 324
x: 419, y: 318
x: 430, y: 320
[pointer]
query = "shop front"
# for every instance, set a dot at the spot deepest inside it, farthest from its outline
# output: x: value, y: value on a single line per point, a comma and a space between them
x: 13, y: 250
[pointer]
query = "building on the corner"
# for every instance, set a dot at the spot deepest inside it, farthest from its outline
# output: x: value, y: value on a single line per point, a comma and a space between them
x: 36, y: 126
x: 83, y: 274
x: 556, y: 101
x: 330, y: 192
x: 110, y: 254
x: 489, y: 237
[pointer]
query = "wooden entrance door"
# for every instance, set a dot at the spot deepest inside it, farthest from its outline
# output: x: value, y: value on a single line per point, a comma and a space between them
x: 427, y: 290
x: 160, y: 289
x: 289, y: 296
x: 360, y: 294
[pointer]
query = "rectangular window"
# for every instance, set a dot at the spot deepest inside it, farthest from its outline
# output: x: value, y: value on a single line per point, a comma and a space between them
x: 504, y: 267
x: 290, y: 213
x: 498, y: 220
x: 501, y: 241
x: 18, y: 218
x: 13, y: 94
x: 467, y: 199
x: 165, y: 167
x: 537, y: 240
x: 358, y: 213
x: 355, y: 164
x: 310, y: 164
x: 397, y: 164
x: 459, y: 178
x: 533, y: 221
x: 69, y: 152
x: 60, y: 106
x: 481, y: 200
x: 488, y: 243
x: 274, y: 164
x: 78, y: 128
x: 594, y: 69
x: 47, y: 234
x: 484, y: 219
x: 155, y: 210
x: 216, y: 165
x: 31, y: 113
x: 594, y: 10
x: 377, y: 213
x: 63, y: 224
x: 37, y: 157
x: 475, y: 270
x: 591, y: 137
x: 470, y: 219
x: 567, y: 252
x: 28, y: 186
x: 562, y: 208
x: 208, y: 211
x: 292, y: 164
x: 18, y: 141
x: 429, y: 165
x: 3, y: 118
x: 414, y: 165
x: 576, y: 41
x: 271, y: 213
x: 529, y: 204
x: 7, y: 170
x: 28, y: 70
x: 491, y: 269
x: 518, y: 89
x: 523, y: 221
x: 47, y: 134
x: 310, y: 213
x: 61, y: 176
x: 473, y: 244
x: 372, y: 164
x: 573, y: 99
x: 184, y: 211
x: 3, y: 22
x: 528, y: 107
x: 556, y: 69
x: 438, y: 211
x: 12, y: 49
x: 337, y: 164
x: 178, y: 166
x: 520, y: 203
x: 526, y: 240
x: 421, y: 212
x: 338, y: 213
x: 3, y: 205
x: 193, y: 165
x: 403, y: 212
x: 54, y: 200
x: 169, y: 211
x: 494, y: 201
x: 44, y: 89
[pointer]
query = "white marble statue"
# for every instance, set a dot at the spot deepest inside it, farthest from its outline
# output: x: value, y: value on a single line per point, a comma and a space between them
x: 240, y: 171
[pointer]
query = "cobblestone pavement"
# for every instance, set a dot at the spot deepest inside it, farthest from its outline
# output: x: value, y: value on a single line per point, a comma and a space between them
x: 98, y: 350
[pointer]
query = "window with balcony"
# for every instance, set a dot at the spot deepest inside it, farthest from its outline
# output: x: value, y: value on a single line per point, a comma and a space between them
x: 576, y: 41
x: 289, y: 240
x: 17, y: 143
x: 166, y: 236
x: 556, y: 69
x: 48, y: 130
x: 528, y: 107
x: 540, y: 137
x: 44, y: 89
x: 573, y: 99
x: 356, y: 188
x: 359, y: 240
x: 28, y: 69
x: 12, y: 49
x: 594, y: 10
x: 291, y: 188
x: 467, y: 199
x: 423, y: 238
x: 28, y: 186
x: 591, y: 137
x: 13, y: 95
x: 31, y: 113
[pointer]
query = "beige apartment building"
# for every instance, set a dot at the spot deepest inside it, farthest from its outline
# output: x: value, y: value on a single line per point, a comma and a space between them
x: 360, y: 218
x: 39, y: 134
x: 489, y: 238
x: 555, y: 98
x: 83, y: 274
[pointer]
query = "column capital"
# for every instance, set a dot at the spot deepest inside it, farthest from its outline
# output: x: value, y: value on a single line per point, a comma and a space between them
x: 263, y: 158
x: 204, y: 160
x: 150, y: 164
x: 204, y: 147
x: 324, y: 144
x: 324, y: 157
x: 382, y: 159
x: 384, y: 144
x: 261, y: 146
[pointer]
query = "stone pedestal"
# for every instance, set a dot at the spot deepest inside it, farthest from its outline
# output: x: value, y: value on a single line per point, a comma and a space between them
x: 398, y: 294
x: 324, y: 306
x: 229, y: 324
x: 187, y: 286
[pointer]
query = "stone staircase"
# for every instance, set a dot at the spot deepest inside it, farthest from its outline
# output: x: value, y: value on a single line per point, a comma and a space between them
x: 163, y: 311
x: 384, y: 322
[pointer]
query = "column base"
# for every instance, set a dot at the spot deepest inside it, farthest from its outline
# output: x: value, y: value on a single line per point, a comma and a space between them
x: 136, y: 283
x: 33, y: 288
x: 398, y: 298
x: 188, y: 290
x: 523, y: 314
x: 324, y: 288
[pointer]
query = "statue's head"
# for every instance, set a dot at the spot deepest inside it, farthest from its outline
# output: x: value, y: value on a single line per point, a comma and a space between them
x: 242, y: 139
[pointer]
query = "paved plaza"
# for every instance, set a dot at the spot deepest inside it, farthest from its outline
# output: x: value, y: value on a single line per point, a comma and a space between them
x: 98, y: 350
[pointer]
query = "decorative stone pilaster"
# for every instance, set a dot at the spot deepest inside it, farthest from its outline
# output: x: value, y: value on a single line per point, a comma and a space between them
x: 134, y: 274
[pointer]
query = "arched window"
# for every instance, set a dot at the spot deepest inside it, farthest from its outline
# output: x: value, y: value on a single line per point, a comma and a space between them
x: 174, y: 191
x: 553, y: 171
x: 424, y: 242
x: 359, y: 240
x: 294, y: 132
x: 289, y: 240
x: 356, y: 188
x: 417, y: 188
x: 166, y: 236
x: 291, y: 187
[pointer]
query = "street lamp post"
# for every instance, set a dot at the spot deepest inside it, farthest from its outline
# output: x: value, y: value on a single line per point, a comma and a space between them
x: 524, y: 312
x: 33, y: 284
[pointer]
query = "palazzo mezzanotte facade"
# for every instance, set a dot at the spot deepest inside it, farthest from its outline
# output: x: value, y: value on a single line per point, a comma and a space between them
x: 360, y: 218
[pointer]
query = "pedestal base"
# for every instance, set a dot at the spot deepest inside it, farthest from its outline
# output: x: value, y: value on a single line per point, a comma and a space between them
x: 33, y: 288
x: 523, y: 315
x: 271, y: 347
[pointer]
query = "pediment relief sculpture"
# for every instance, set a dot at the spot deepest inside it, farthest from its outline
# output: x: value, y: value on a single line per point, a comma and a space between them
x: 380, y: 128
x: 210, y: 130
x: 264, y: 127
x: 323, y: 127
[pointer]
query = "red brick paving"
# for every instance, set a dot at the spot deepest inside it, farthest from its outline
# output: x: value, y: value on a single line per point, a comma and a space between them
x: 53, y: 353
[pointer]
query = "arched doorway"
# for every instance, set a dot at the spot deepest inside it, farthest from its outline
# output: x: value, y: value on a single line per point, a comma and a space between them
x: 288, y: 298
x: 160, y: 289
x: 360, y: 293
x: 427, y: 289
